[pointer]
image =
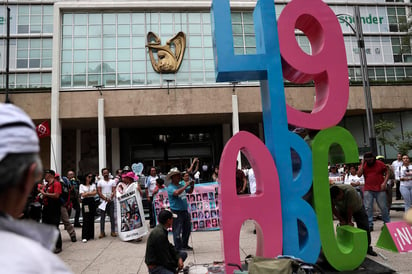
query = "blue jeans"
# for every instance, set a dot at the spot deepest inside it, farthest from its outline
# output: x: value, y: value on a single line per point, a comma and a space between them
x: 110, y: 211
x: 181, y: 229
x: 406, y: 192
x: 380, y: 197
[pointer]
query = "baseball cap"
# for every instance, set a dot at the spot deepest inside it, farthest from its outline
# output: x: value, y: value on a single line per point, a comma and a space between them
x: 17, y: 132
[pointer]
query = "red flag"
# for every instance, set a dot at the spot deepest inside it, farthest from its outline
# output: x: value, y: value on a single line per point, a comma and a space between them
x: 43, y: 129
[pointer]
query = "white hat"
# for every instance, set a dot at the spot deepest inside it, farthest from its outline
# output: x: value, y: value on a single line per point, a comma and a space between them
x: 173, y: 171
x: 17, y: 132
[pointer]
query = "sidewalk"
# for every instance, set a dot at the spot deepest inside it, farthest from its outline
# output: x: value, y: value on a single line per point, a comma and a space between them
x: 110, y: 255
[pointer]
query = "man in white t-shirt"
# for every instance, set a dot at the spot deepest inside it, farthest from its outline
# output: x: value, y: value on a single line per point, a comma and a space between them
x: 396, y: 168
x: 106, y: 188
x: 150, y: 185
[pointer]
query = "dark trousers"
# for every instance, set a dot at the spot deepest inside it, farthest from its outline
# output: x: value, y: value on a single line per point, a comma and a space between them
x: 88, y: 218
x: 151, y: 215
x: 361, y: 219
x: 163, y: 270
x: 110, y: 211
x: 181, y: 229
x: 76, y: 207
x: 398, y: 192
x: 51, y: 216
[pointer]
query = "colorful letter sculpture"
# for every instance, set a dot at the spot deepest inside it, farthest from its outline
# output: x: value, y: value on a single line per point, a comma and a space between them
x: 396, y: 236
x: 277, y: 56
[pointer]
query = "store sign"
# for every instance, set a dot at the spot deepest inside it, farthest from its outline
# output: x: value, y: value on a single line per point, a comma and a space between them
x: 374, y: 18
x: 285, y: 222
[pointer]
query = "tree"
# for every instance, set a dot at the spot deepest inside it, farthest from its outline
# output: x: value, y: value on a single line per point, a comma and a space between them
x: 402, y: 144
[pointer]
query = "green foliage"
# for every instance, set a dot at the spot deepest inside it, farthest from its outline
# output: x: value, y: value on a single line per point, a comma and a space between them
x: 385, y: 136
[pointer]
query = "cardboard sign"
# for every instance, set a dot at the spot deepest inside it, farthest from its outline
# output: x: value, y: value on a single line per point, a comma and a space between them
x: 130, y: 214
x: 396, y: 236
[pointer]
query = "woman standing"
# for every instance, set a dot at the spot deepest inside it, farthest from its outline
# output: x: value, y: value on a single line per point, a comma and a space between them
x: 87, y: 192
x: 406, y: 181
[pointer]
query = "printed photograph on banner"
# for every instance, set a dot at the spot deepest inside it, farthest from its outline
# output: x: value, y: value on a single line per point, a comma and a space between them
x: 202, y: 205
x: 130, y: 215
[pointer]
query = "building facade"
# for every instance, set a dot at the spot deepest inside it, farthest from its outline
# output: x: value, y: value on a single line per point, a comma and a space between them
x: 89, y: 67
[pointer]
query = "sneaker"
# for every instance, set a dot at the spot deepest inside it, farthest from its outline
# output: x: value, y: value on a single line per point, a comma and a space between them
x: 102, y: 235
x: 57, y: 250
x: 84, y: 241
x: 187, y: 248
x: 73, y: 238
x: 113, y: 234
x: 371, y: 252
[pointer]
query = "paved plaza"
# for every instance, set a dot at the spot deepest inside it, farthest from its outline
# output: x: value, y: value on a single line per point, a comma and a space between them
x: 110, y: 255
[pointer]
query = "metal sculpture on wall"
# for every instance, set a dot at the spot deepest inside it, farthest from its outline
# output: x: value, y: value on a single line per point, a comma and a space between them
x: 169, y: 56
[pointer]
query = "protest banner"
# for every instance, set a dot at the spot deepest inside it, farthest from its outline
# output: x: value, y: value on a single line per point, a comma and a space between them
x: 203, y: 206
x: 130, y: 214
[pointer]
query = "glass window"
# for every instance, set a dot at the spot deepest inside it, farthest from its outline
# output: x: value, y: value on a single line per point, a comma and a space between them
x: 109, y: 55
x: 95, y: 19
x: 123, y: 18
x: 123, y: 29
x: 80, y: 18
x: 46, y: 63
x: 35, y: 19
x: 138, y: 18
x: 35, y: 80
x: 109, y: 30
x: 123, y: 67
x: 79, y: 68
x: 93, y: 80
x: 95, y: 43
x: 123, y: 42
x: 80, y: 30
x: 94, y: 55
x: 195, y: 29
x: 95, y: 67
x: 79, y: 80
x: 80, y: 43
x: 21, y: 80
x: 109, y: 42
x: 35, y: 9
x: 79, y: 55
x: 123, y: 79
x: 95, y: 30
x: 34, y: 53
x: 109, y: 18
x: 66, y: 68
x: 22, y: 63
x: 123, y: 54
x: 34, y: 63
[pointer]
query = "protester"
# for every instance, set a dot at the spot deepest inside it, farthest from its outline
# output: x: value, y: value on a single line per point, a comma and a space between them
x: 347, y: 204
x: 25, y: 245
x: 150, y: 185
x: 178, y: 203
x: 52, y: 205
x: 396, y: 167
x: 106, y: 189
x: 406, y: 181
x: 161, y: 256
x: 376, y: 175
x: 87, y: 192
x: 74, y: 196
x: 66, y: 206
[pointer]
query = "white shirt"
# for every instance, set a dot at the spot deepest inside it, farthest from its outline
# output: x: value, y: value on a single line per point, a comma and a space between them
x: 106, y: 187
x: 354, y: 179
x: 406, y: 173
x: 151, y: 184
x: 86, y: 189
x: 252, y: 181
x: 395, y: 165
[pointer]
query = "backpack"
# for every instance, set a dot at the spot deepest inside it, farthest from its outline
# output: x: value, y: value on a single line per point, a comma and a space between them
x: 391, y: 173
x: 65, y: 196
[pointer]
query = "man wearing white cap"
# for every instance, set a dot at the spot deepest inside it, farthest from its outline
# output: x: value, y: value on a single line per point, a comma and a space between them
x: 25, y: 245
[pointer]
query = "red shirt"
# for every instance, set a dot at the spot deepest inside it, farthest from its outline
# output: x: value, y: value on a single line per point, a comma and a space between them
x: 374, y: 176
x: 56, y: 187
